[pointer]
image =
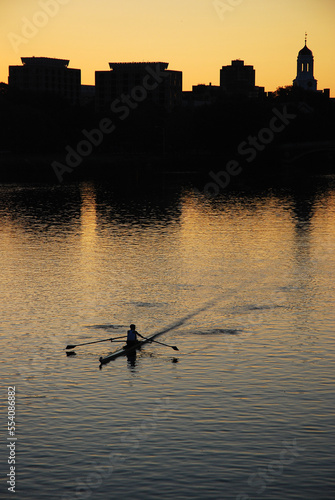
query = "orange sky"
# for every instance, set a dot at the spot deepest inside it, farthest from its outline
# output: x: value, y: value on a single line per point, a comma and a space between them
x: 196, y: 37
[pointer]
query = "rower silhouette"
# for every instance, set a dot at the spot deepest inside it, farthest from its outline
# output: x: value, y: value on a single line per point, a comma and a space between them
x: 132, y: 336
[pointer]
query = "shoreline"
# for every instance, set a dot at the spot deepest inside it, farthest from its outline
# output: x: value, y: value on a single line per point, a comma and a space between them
x: 289, y: 160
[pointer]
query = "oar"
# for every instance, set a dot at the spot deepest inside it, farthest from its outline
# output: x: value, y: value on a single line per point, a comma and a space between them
x: 95, y: 342
x: 175, y: 348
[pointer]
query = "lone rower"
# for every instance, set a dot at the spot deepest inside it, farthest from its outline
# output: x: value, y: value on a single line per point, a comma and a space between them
x: 132, y: 336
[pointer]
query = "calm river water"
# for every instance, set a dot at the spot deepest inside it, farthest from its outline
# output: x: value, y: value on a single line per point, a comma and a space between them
x: 244, y: 410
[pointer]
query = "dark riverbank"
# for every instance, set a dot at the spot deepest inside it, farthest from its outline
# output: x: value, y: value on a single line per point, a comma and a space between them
x: 289, y: 134
x: 289, y: 161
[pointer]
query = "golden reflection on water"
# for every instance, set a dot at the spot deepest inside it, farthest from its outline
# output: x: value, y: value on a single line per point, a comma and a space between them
x: 323, y: 226
x: 252, y: 231
x: 88, y: 217
x: 254, y: 370
x: 254, y: 227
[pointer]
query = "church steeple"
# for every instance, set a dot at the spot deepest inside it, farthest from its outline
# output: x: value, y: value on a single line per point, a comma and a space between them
x: 305, y: 69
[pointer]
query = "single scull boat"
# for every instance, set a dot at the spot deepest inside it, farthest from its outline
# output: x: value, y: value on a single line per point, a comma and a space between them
x: 127, y: 350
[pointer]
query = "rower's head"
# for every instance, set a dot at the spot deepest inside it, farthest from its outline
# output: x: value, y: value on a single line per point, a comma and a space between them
x: 132, y: 327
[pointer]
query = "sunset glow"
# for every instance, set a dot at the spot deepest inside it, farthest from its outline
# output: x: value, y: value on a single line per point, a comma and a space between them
x: 196, y: 37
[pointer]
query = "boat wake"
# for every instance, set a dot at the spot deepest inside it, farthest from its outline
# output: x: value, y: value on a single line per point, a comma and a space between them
x: 147, y: 304
x: 219, y: 331
x: 253, y: 307
x: 105, y: 327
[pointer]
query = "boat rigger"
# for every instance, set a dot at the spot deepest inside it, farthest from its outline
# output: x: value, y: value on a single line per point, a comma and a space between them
x: 125, y: 350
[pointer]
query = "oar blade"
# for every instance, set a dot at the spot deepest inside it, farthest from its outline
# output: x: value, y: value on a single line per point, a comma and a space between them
x: 174, y: 347
x: 70, y: 347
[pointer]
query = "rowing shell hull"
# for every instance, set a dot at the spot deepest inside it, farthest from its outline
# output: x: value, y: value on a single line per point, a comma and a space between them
x: 126, y: 350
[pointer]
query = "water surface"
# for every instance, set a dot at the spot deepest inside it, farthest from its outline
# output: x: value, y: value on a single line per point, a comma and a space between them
x: 244, y: 410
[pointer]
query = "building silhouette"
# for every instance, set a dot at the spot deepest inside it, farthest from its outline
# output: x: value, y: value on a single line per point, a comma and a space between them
x: 87, y: 97
x: 46, y: 75
x: 138, y: 81
x: 202, y: 95
x: 305, y: 69
x: 238, y: 79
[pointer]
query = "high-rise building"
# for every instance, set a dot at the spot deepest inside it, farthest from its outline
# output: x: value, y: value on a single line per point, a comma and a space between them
x: 137, y: 82
x: 238, y: 78
x: 46, y: 75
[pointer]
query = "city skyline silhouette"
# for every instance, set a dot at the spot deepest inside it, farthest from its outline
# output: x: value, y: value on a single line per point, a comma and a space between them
x: 197, y: 37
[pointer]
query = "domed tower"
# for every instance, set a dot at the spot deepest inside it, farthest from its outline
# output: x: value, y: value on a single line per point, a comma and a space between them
x: 305, y: 71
